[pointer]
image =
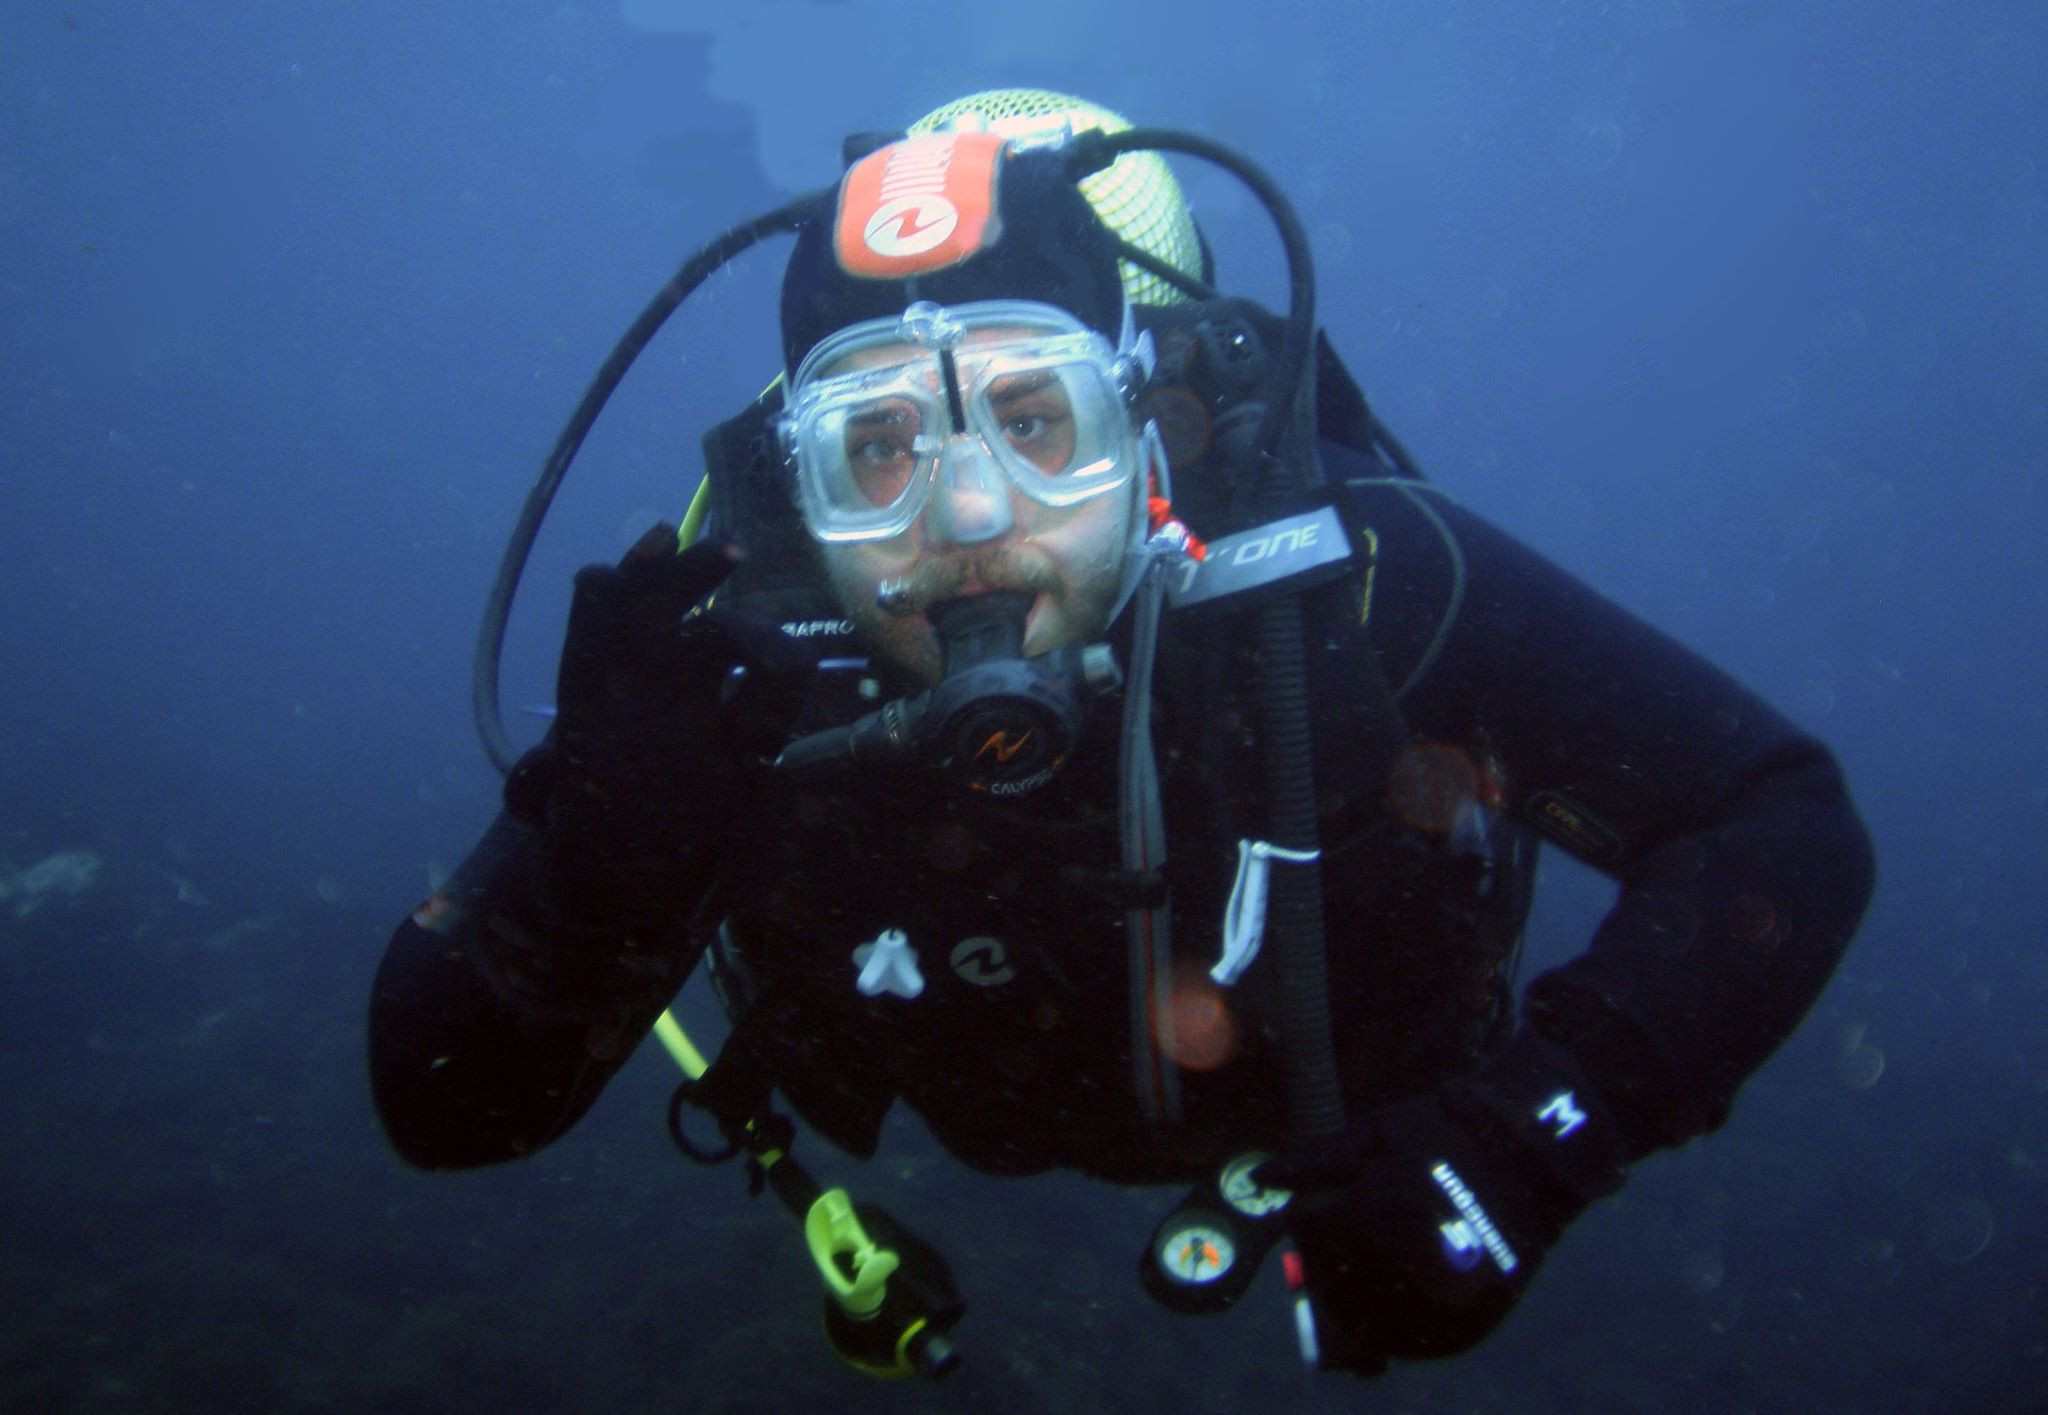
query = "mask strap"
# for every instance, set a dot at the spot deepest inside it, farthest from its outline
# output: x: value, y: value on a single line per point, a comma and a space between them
x: 949, y: 374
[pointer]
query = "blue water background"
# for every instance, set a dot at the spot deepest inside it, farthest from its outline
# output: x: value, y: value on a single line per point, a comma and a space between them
x: 1736, y: 310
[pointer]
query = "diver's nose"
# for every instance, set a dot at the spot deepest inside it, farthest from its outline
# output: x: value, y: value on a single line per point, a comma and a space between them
x: 970, y: 500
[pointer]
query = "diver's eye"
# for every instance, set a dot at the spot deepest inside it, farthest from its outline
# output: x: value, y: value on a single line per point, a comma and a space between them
x: 881, y: 472
x: 1037, y: 420
x: 881, y: 453
x: 1043, y: 435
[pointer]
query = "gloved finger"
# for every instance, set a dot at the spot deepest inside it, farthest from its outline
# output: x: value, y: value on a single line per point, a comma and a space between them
x: 668, y: 582
x: 597, y: 636
x: 657, y: 543
x: 1301, y: 1175
x: 624, y: 620
x: 1332, y: 1166
x: 1345, y: 1345
x: 1310, y: 1173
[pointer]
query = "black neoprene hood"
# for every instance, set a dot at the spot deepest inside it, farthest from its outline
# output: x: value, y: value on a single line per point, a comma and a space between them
x: 1051, y: 248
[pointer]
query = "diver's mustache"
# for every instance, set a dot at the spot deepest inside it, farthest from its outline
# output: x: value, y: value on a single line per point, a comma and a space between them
x: 943, y: 579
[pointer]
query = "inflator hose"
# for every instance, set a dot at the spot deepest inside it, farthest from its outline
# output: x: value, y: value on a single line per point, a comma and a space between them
x: 1315, y: 1101
x: 490, y: 639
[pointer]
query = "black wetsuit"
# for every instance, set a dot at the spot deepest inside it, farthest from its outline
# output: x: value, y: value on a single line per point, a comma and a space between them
x: 1534, y: 706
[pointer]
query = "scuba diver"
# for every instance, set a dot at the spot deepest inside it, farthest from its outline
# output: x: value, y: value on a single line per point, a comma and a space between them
x: 1067, y: 711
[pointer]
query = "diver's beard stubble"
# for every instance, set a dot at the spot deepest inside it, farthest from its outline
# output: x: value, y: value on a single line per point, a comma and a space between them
x: 906, y: 639
x: 1000, y: 567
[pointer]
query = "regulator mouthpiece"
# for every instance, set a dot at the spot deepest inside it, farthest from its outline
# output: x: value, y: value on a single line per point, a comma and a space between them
x: 998, y: 723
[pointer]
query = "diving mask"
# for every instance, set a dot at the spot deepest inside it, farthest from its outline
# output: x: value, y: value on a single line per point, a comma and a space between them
x: 969, y: 401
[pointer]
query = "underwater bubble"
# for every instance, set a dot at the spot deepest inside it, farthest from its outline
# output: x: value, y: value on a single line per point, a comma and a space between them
x: 1961, y: 1230
x: 1704, y: 1272
x: 1816, y: 697
x: 327, y: 889
x: 1722, y: 1310
x: 1860, y: 1067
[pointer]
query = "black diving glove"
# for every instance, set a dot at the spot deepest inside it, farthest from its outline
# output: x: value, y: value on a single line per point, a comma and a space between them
x: 659, y: 717
x: 1420, y: 1229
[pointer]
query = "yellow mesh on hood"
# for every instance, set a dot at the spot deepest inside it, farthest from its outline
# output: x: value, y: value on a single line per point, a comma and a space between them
x: 1136, y: 196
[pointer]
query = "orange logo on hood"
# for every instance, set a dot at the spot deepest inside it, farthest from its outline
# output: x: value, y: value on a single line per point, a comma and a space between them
x: 918, y: 205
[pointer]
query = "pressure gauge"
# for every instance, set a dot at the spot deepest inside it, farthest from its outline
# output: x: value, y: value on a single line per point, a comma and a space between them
x: 1195, y: 1253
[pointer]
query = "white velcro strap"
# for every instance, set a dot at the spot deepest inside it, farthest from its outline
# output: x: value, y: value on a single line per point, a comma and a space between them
x: 1244, y: 917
